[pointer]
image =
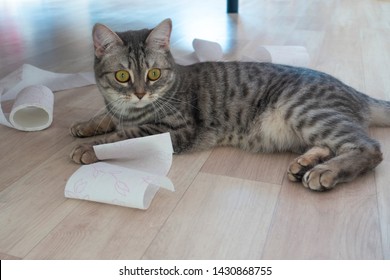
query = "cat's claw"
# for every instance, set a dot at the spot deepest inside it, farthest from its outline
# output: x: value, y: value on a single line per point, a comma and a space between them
x: 83, y: 154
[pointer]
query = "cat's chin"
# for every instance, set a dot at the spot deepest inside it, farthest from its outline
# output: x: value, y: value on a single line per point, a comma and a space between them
x: 140, y: 104
x: 131, y: 104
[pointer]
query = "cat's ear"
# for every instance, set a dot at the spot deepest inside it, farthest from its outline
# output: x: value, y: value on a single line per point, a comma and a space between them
x: 160, y: 36
x: 104, y: 39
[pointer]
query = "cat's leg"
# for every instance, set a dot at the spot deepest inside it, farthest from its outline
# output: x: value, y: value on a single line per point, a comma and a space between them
x: 350, y: 161
x: 98, y: 125
x: 307, y: 161
x: 85, y: 154
x: 181, y: 140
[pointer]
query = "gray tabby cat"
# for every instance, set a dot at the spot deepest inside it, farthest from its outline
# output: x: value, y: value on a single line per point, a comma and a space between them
x: 259, y: 107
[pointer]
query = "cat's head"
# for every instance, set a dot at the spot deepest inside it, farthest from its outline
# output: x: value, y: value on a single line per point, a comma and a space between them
x: 135, y: 68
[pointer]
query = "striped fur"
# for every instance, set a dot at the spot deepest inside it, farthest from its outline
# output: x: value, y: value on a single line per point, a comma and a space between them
x: 253, y: 106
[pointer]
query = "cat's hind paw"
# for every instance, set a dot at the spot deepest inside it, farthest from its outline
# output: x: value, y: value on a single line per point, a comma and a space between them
x: 83, y: 154
x: 320, y: 178
x: 302, y: 164
x: 298, y: 168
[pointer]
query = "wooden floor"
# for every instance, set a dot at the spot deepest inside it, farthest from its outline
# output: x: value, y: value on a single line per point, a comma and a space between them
x: 228, y: 204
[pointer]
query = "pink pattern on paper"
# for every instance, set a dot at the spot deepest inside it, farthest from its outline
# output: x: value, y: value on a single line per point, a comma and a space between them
x: 148, y: 180
x: 121, y: 187
x: 78, y: 189
x: 80, y: 185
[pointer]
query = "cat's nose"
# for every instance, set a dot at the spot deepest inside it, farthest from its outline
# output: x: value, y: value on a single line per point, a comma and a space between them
x: 140, y: 95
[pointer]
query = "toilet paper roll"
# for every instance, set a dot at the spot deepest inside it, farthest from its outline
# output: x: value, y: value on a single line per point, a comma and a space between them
x: 33, y: 109
x: 31, y: 90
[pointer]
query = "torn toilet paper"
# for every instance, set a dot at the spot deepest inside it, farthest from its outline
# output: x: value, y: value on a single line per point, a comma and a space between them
x: 133, y: 172
x: 29, y: 75
x: 207, y: 51
x: 212, y: 51
x: 288, y: 55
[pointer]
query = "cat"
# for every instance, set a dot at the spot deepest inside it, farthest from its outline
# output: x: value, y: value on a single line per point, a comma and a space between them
x: 259, y: 107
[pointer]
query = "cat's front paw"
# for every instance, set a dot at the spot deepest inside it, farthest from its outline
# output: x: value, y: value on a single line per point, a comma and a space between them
x: 83, y: 154
x: 81, y: 129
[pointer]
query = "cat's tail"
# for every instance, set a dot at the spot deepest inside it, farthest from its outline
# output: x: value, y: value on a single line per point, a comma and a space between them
x: 380, y: 112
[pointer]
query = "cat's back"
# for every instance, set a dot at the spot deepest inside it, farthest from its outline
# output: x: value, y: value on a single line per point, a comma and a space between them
x: 264, y: 83
x: 256, y: 74
x: 248, y: 84
x: 247, y: 101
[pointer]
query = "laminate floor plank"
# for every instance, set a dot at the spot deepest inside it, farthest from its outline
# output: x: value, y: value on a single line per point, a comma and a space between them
x: 222, y: 210
x: 340, y: 224
x: 269, y: 168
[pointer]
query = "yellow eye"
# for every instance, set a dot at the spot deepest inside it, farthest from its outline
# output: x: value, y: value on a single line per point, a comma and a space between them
x: 122, y: 76
x: 154, y: 74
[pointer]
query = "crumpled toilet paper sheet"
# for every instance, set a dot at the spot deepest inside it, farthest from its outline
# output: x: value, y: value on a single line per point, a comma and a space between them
x: 131, y: 175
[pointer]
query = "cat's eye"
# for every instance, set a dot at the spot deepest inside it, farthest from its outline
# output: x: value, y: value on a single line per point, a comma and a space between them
x: 122, y: 76
x: 154, y: 74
